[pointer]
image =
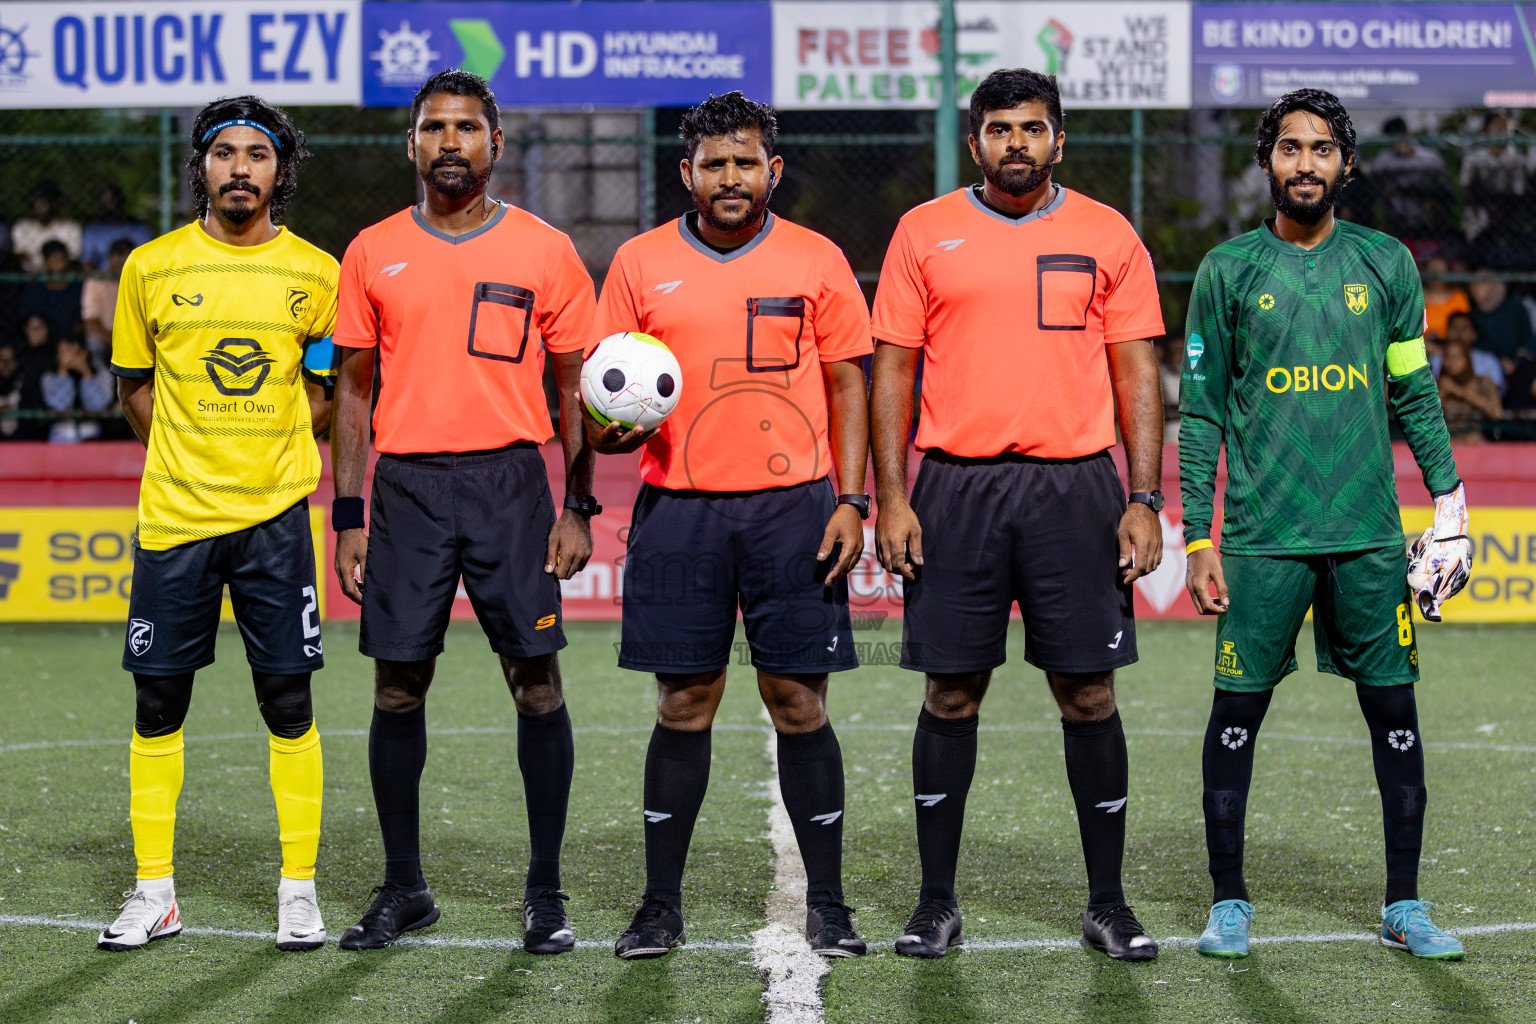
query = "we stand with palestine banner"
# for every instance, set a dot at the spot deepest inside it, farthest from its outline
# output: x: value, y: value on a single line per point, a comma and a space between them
x: 803, y: 54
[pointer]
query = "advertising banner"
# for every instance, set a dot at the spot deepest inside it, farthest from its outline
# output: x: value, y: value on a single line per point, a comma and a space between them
x: 75, y: 564
x: 547, y: 54
x: 847, y: 56
x: 1369, y: 55
x: 178, y: 54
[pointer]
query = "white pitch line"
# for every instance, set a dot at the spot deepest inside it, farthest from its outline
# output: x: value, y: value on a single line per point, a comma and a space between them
x: 409, y: 941
x: 780, y: 948
x: 434, y: 942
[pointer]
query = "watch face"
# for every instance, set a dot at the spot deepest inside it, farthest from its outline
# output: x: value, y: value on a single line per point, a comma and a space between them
x: 1157, y: 501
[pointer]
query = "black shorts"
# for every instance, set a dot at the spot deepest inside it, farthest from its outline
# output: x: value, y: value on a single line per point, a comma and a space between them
x: 694, y: 554
x: 1013, y: 528
x: 173, y: 610
x: 484, y: 516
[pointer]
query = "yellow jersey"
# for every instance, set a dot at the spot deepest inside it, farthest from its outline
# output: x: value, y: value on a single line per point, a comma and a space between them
x: 229, y: 333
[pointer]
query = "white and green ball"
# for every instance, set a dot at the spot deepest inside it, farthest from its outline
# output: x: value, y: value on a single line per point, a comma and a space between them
x: 631, y: 379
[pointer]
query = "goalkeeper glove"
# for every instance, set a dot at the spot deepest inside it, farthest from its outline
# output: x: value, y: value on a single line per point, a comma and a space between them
x: 1440, y: 561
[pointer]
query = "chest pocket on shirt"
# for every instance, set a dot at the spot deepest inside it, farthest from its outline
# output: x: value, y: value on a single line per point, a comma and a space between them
x: 774, y: 328
x: 1065, y: 284
x: 499, y: 321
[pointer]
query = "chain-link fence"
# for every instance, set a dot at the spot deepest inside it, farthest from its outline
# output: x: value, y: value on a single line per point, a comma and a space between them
x: 1454, y: 185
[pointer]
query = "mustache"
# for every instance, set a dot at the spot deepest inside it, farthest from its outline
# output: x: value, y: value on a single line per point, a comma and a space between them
x: 449, y: 160
x: 1019, y: 157
x: 239, y: 186
x: 730, y: 193
x: 1305, y: 179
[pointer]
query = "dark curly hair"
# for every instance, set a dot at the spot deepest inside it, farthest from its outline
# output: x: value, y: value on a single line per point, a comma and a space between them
x: 1315, y: 101
x: 458, y: 82
x: 291, y: 151
x: 731, y: 114
x: 1006, y: 88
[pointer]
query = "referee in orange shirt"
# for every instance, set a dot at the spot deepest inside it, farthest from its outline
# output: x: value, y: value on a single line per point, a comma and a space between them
x: 460, y: 297
x: 1032, y: 306
x: 738, y: 506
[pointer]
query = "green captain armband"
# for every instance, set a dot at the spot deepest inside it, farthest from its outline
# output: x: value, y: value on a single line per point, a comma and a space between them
x: 1403, y: 357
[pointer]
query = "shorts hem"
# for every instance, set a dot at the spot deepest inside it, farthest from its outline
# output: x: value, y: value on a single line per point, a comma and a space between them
x: 158, y: 670
x: 928, y: 668
x: 387, y: 652
x: 1392, y: 681
x: 1247, y: 686
x: 1080, y: 669
x: 806, y: 670
x: 288, y: 670
x: 655, y: 668
x: 524, y: 651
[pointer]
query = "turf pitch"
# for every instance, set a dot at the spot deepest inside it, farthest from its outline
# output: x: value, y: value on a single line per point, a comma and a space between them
x: 1314, y: 849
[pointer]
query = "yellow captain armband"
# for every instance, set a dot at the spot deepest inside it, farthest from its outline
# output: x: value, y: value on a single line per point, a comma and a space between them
x: 1197, y: 545
x: 1403, y: 357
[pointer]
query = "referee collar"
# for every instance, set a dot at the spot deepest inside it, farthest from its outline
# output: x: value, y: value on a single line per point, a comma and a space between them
x: 1049, y: 208
x: 421, y: 222
x: 724, y: 257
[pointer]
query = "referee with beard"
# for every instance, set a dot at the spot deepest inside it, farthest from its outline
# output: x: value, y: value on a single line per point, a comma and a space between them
x: 1032, y: 306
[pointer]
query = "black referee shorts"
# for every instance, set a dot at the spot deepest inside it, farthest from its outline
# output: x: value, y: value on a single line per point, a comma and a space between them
x: 173, y: 609
x: 484, y: 516
x: 693, y: 555
x: 1040, y: 532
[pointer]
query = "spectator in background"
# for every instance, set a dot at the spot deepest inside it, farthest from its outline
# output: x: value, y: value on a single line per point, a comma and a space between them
x: 1442, y: 300
x: 1170, y: 358
x: 110, y: 225
x: 1415, y: 190
x: 76, y: 383
x: 1503, y: 326
x: 36, y: 357
x: 30, y: 234
x: 1493, y: 187
x: 98, y: 300
x: 10, y: 390
x: 53, y: 295
x: 1467, y: 398
x: 1462, y: 331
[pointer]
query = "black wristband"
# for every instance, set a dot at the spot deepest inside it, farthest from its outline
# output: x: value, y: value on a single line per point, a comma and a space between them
x: 347, y: 514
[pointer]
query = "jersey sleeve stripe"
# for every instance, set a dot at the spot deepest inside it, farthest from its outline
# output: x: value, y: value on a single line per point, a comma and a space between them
x: 131, y: 372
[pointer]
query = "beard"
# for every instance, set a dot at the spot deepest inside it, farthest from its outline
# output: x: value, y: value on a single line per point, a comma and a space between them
x: 239, y: 214
x: 1018, y: 181
x: 706, y: 207
x: 455, y: 186
x: 1297, y: 210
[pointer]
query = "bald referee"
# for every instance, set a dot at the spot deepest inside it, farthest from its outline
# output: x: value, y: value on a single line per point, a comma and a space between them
x: 1032, y: 307
x: 460, y: 297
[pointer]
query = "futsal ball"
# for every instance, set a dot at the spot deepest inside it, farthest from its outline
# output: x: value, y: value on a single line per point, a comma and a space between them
x: 631, y: 379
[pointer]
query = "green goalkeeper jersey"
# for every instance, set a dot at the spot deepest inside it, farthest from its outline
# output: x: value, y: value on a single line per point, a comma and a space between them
x: 1292, y: 358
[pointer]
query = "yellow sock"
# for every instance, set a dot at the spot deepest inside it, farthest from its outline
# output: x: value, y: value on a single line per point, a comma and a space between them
x: 297, y: 778
x: 154, y: 783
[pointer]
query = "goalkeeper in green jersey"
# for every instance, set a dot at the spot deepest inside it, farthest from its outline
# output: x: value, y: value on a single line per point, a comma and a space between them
x: 1301, y: 334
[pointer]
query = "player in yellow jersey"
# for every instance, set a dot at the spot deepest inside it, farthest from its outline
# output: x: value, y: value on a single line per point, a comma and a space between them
x: 221, y: 346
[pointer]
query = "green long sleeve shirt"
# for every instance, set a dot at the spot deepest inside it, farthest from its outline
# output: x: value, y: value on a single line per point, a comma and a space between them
x: 1292, y: 359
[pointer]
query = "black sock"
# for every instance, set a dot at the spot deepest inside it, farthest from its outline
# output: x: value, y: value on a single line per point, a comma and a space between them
x: 1398, y: 755
x: 943, y: 762
x: 546, y: 755
x: 397, y: 752
x: 1099, y: 773
x: 811, y: 779
x: 1226, y: 761
x: 676, y: 777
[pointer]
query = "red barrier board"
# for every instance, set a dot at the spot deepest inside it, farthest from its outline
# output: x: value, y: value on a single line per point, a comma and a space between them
x: 36, y: 475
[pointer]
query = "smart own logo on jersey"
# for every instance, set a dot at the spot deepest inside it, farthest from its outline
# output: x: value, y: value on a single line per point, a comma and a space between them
x: 238, y: 367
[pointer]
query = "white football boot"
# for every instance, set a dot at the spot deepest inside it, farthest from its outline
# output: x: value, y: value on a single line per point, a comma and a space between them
x: 149, y: 912
x: 298, y: 916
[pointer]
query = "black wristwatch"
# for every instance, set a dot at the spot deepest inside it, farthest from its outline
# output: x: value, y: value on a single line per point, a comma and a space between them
x: 583, y: 504
x: 1152, y: 499
x: 858, y: 501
